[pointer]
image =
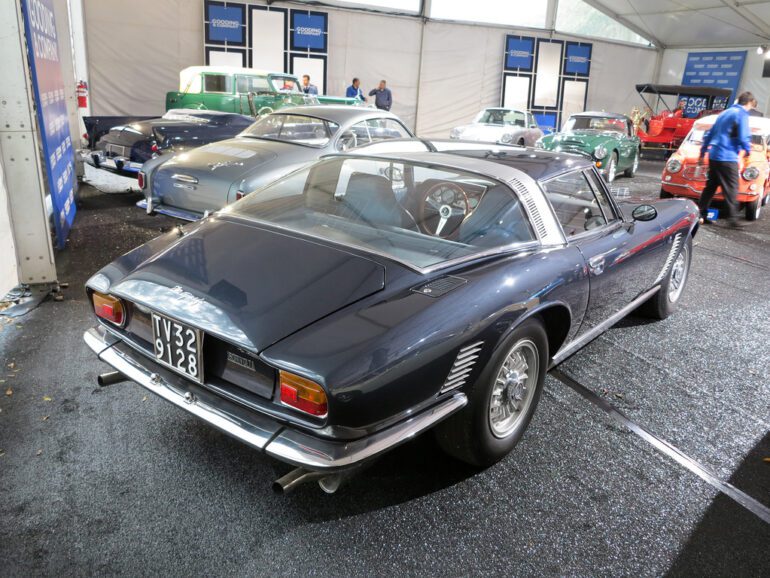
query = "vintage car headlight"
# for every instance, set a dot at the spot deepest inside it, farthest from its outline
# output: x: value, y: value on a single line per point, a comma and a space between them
x: 600, y: 151
x: 506, y: 138
x: 455, y: 133
x: 750, y: 173
x: 674, y: 166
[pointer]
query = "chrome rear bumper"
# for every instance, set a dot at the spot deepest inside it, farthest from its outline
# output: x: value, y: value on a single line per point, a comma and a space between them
x: 170, y: 211
x: 260, y: 431
x: 98, y: 160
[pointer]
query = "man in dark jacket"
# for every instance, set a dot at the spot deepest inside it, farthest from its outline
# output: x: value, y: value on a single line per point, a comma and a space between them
x: 726, y: 139
x: 383, y: 99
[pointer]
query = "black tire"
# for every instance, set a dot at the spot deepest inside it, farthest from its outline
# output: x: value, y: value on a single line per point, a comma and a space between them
x: 663, y: 304
x: 665, y: 194
x: 753, y: 209
x: 631, y: 171
x: 468, y: 435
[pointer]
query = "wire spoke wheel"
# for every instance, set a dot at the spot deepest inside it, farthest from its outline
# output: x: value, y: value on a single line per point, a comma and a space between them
x: 514, y: 388
x: 679, y: 272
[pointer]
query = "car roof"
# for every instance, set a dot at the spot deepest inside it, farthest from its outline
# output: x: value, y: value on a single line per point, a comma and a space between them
x: 504, y: 165
x: 601, y: 114
x: 337, y: 113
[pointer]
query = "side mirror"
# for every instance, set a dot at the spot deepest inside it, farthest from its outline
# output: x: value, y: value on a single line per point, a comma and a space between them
x: 644, y: 213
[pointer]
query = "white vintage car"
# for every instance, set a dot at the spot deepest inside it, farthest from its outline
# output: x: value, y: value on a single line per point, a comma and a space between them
x: 500, y: 125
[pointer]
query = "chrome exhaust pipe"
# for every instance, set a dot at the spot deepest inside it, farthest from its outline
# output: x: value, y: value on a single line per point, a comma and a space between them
x: 328, y: 482
x: 294, y: 478
x: 110, y: 377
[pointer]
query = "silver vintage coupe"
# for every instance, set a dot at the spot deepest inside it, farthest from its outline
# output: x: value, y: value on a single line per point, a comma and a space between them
x: 500, y: 125
x: 191, y: 184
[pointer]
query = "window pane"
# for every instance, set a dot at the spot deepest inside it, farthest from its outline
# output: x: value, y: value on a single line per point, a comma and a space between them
x: 423, y: 215
x: 304, y: 130
x: 386, y: 128
x: 604, y: 202
x: 574, y: 203
x: 246, y: 84
x: 577, y: 17
x: 218, y: 83
x: 514, y: 12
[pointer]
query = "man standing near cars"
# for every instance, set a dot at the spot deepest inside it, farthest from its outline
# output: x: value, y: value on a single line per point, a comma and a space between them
x: 726, y: 139
x: 354, y: 90
x: 383, y: 99
x: 308, y: 88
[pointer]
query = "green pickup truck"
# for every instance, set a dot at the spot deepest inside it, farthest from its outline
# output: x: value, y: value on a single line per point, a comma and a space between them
x: 242, y: 90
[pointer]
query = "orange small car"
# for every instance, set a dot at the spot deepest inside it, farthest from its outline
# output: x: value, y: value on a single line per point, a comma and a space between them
x: 682, y: 177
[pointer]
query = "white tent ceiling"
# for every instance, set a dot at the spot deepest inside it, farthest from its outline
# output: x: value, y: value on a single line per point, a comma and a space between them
x: 693, y: 23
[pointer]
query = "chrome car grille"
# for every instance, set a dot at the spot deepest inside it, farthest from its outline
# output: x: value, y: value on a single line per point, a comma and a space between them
x: 462, y: 367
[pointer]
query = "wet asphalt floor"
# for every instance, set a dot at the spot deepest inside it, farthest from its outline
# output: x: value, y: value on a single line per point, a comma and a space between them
x: 117, y: 481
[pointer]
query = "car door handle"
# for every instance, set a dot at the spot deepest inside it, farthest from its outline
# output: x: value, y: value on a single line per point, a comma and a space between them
x: 596, y: 264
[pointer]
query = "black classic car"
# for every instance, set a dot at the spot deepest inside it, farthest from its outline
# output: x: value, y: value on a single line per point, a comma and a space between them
x: 124, y: 144
x: 357, y: 302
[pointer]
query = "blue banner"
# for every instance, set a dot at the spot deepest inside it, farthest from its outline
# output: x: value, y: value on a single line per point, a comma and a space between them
x: 715, y: 69
x: 44, y: 63
x: 546, y: 121
x: 225, y: 23
x: 309, y: 30
x: 519, y: 53
x: 577, y: 59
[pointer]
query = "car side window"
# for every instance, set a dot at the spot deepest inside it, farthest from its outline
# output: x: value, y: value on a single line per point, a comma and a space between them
x: 245, y: 84
x: 601, y: 195
x: 574, y: 203
x: 217, y: 83
x: 514, y: 118
x: 386, y: 128
x: 531, y: 121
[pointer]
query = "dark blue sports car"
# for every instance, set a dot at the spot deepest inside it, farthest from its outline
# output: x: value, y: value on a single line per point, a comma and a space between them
x: 351, y: 305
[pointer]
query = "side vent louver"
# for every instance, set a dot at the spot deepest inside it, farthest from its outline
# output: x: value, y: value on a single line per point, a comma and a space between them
x: 526, y: 195
x: 441, y: 286
x: 671, y: 256
x: 463, y: 366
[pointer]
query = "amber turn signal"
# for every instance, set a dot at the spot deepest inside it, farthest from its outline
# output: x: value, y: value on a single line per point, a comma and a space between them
x: 302, y: 394
x: 109, y: 308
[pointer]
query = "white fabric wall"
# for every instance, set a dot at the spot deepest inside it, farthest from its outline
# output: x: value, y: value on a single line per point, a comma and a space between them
x: 137, y: 47
x: 462, y: 73
x: 674, y: 61
x: 9, y: 275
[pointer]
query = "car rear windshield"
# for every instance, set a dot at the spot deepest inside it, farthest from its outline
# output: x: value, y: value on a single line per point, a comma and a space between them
x: 293, y: 128
x: 416, y: 214
x: 595, y: 123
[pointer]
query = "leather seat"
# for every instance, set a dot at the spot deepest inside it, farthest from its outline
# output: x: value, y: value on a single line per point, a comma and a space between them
x: 370, y: 198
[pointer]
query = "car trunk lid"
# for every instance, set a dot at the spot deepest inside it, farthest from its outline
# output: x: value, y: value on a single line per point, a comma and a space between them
x: 248, y: 284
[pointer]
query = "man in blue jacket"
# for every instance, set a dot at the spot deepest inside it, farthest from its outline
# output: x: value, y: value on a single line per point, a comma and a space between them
x: 726, y: 139
x: 354, y: 90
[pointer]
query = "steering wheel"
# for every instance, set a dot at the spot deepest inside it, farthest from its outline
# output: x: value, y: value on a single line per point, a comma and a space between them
x: 444, y: 206
x: 347, y: 141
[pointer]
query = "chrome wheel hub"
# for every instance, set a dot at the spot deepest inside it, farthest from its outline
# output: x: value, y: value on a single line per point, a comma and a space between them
x: 678, y: 276
x: 611, y: 170
x: 514, y: 388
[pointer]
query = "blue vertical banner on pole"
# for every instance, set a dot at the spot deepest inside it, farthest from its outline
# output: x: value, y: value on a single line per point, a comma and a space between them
x: 43, y: 48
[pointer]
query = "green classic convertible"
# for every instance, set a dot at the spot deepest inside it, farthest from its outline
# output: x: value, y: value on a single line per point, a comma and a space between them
x: 608, y: 138
x: 242, y: 91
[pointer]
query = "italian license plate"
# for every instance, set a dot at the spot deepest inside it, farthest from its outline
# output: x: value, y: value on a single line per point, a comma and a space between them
x: 178, y: 346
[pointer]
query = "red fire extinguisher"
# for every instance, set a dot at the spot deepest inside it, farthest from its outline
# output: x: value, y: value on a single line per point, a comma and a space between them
x: 82, y: 92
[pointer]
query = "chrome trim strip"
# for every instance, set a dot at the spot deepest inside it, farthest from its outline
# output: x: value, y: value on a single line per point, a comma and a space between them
x: 571, y: 347
x: 185, y: 178
x: 462, y: 366
x: 257, y: 430
x: 698, y: 192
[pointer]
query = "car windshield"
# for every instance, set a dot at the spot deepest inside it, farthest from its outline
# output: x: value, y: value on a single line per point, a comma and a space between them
x: 419, y: 215
x: 501, y: 117
x: 293, y: 128
x: 697, y: 132
x: 601, y: 123
x: 285, y: 84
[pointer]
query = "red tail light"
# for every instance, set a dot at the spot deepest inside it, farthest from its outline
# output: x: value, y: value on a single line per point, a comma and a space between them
x: 140, y: 180
x: 109, y: 308
x: 154, y: 148
x: 302, y: 394
x: 239, y: 195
